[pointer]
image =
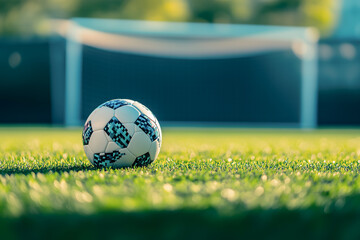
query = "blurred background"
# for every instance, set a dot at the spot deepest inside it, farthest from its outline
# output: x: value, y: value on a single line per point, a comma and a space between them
x: 254, y: 89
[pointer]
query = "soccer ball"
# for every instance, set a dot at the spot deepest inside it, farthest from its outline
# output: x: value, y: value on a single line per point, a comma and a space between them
x: 121, y: 133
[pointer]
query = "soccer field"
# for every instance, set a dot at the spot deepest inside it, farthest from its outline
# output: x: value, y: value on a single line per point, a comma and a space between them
x: 206, y: 183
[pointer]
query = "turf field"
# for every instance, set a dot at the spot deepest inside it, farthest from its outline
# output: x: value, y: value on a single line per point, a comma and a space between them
x: 206, y: 183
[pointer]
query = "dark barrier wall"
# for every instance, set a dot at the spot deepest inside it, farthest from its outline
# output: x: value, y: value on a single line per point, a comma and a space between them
x: 57, y: 72
x: 24, y: 81
x: 25, y: 93
x: 339, y: 82
x: 252, y: 89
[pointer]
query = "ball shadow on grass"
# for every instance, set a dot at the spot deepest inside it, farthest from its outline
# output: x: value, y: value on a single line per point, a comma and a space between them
x: 59, y: 169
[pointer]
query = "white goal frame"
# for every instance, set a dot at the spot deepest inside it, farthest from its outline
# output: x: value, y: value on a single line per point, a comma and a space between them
x: 197, y: 40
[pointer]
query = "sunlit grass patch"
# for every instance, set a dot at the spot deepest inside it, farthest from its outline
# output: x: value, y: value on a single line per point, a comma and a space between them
x: 229, y: 172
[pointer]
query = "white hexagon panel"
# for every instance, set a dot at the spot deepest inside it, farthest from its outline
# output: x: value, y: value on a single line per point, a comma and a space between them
x: 127, y: 159
x: 127, y: 114
x: 98, y: 141
x: 140, y: 144
x: 100, y: 117
x: 144, y: 110
x: 122, y: 133
x: 154, y: 149
x: 89, y: 153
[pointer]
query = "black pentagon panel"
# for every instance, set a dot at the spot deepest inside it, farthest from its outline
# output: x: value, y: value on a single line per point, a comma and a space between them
x: 115, y: 104
x: 87, y: 133
x: 106, y: 159
x: 142, y: 161
x: 118, y: 132
x: 148, y: 126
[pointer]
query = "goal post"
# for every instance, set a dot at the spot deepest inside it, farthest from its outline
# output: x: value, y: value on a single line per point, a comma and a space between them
x: 189, y: 41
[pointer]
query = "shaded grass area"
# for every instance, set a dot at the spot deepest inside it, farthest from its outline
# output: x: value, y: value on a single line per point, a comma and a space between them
x: 310, y: 223
x: 206, y: 183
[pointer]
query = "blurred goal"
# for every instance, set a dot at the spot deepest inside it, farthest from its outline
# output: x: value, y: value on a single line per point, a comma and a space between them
x: 194, y: 73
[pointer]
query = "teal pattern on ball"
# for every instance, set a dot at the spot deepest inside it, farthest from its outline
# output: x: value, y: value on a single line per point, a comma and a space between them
x: 115, y: 104
x: 87, y: 133
x: 117, y: 132
x: 142, y: 161
x: 148, y: 126
x: 106, y: 159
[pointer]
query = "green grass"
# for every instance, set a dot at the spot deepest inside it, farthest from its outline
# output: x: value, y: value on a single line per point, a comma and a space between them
x: 206, y: 182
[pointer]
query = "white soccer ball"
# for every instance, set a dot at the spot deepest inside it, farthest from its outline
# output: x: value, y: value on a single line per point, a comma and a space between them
x: 121, y: 133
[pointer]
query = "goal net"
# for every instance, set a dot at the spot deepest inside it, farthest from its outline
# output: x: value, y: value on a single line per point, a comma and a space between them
x: 194, y: 73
